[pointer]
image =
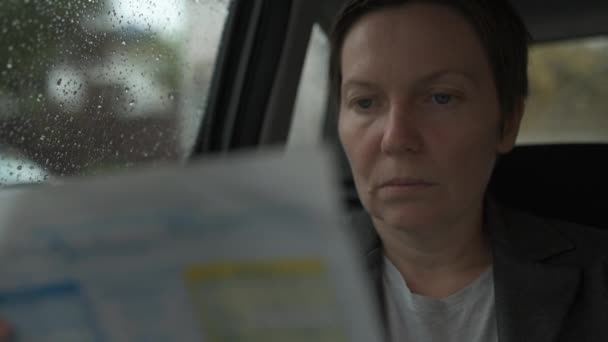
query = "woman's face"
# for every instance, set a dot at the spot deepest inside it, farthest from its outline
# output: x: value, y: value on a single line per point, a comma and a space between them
x: 419, y: 116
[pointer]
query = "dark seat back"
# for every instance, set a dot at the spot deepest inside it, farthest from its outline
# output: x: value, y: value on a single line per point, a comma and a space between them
x: 563, y: 181
x: 568, y: 182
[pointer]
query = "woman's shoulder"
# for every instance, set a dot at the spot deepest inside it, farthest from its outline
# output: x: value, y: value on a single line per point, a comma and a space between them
x: 588, y: 240
x: 588, y: 243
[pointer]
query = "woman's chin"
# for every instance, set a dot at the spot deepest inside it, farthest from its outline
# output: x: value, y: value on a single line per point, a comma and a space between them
x: 407, y: 218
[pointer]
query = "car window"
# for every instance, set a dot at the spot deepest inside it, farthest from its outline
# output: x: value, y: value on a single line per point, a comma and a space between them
x: 91, y: 86
x: 568, y: 92
x: 311, y: 100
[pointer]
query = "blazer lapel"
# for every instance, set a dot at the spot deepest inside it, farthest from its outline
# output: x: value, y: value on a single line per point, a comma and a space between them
x: 531, y: 300
x: 532, y: 297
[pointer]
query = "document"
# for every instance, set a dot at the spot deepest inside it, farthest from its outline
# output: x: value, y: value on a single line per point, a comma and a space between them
x: 251, y: 247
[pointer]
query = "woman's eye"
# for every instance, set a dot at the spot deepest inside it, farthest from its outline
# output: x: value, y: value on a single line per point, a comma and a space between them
x: 442, y: 99
x: 364, y: 103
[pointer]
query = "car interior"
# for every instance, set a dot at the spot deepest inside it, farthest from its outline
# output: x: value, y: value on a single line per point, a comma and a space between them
x: 561, y: 180
x: 90, y: 88
x: 255, y: 86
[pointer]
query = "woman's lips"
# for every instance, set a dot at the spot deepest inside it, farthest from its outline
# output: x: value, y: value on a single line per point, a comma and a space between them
x: 404, y: 185
x: 406, y: 182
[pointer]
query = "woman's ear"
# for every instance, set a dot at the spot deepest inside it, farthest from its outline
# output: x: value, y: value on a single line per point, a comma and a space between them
x: 510, y: 128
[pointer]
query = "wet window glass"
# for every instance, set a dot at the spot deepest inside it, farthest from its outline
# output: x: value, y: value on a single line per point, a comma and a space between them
x: 91, y: 86
x: 568, y: 93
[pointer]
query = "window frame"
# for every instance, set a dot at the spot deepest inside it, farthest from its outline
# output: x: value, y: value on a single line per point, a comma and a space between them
x: 257, y: 75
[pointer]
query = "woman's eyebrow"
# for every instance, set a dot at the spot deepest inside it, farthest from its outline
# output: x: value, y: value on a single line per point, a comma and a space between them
x: 437, y: 75
x: 357, y: 84
x: 469, y: 77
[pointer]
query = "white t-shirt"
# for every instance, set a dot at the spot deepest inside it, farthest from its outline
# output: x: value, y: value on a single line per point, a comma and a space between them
x: 468, y: 315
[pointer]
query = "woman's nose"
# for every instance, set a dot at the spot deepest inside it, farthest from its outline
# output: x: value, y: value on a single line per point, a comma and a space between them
x: 401, y: 133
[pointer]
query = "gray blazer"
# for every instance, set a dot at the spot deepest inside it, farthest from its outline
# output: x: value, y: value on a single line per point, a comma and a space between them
x: 550, y: 277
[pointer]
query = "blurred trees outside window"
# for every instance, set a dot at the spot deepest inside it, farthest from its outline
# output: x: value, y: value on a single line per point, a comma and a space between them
x: 568, y: 100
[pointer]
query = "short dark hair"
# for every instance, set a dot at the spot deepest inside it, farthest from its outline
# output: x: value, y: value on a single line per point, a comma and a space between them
x: 500, y: 29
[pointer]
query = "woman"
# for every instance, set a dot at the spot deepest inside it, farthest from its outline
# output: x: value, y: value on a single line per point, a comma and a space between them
x: 430, y: 93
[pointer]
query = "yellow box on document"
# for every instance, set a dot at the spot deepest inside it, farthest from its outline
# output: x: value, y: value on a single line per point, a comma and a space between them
x: 282, y: 300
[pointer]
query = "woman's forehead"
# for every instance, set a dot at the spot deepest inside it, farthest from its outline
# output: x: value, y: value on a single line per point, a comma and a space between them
x: 417, y: 38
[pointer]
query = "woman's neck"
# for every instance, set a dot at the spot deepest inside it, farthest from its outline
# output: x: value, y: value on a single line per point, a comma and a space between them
x: 437, y: 261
